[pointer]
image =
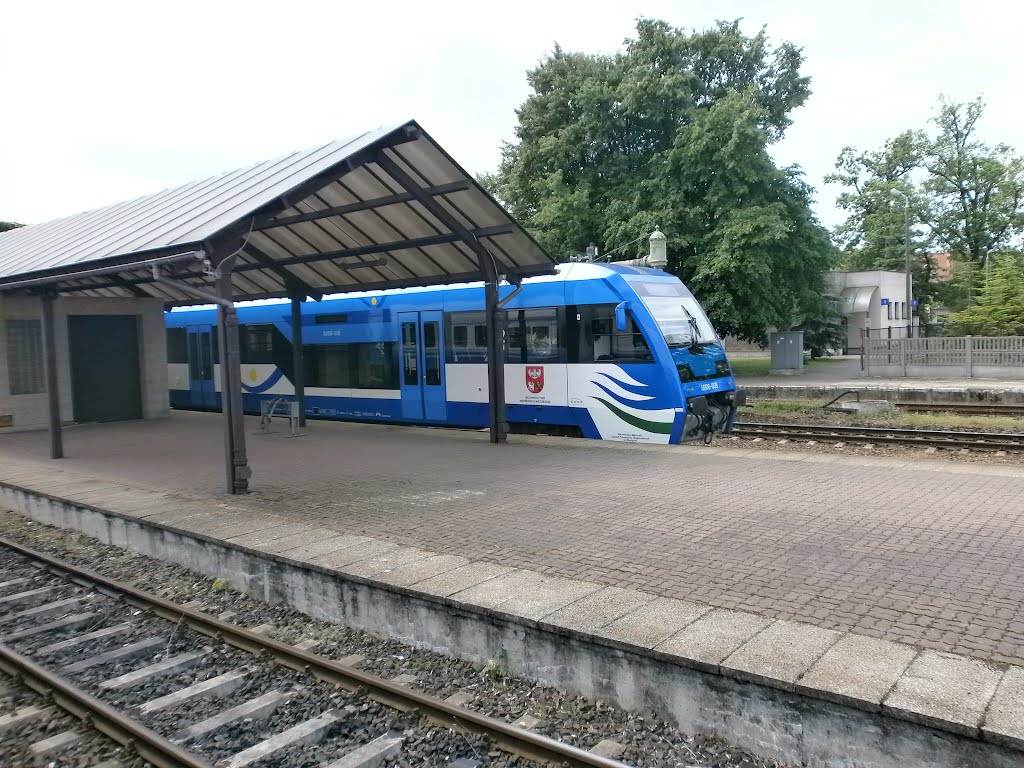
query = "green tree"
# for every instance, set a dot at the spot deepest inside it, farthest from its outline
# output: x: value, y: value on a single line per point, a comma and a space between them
x: 976, y: 191
x: 673, y: 133
x: 874, y: 233
x: 6, y: 225
x: 998, y: 309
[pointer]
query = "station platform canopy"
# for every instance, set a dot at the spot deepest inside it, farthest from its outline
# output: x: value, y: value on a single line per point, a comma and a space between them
x: 386, y: 209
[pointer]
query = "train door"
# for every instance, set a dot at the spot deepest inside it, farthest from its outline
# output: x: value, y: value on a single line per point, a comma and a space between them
x: 200, y: 366
x: 421, y: 351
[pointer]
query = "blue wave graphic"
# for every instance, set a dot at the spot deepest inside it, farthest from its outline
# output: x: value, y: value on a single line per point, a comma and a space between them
x: 259, y: 389
x: 637, y: 389
x: 654, y: 404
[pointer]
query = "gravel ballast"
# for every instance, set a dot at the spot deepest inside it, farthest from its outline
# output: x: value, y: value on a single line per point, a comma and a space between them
x: 648, y: 741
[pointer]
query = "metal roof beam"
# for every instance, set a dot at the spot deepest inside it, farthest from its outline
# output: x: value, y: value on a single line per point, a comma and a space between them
x: 364, y: 205
x: 315, y: 183
x: 296, y: 285
x: 57, y: 279
x: 427, y: 201
x: 366, y: 250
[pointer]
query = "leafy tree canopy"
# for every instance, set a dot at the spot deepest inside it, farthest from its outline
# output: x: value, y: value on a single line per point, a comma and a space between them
x: 673, y: 133
x: 6, y: 225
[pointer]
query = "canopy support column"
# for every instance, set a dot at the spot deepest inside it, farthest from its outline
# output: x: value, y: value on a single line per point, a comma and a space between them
x: 495, y: 358
x: 236, y: 462
x: 298, y: 359
x: 52, y: 383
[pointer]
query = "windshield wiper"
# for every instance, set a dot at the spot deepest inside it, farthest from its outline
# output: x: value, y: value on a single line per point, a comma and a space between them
x: 695, y: 345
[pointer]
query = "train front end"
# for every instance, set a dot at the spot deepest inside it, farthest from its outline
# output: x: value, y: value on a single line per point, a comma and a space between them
x: 707, y: 386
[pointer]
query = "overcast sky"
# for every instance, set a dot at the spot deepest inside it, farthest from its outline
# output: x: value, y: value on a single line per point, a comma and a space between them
x: 106, y: 101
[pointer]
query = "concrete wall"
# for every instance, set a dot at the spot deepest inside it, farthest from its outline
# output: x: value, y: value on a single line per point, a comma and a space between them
x: 29, y: 411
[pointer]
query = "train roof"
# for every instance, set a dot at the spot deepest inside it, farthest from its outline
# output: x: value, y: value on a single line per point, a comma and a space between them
x: 563, y: 272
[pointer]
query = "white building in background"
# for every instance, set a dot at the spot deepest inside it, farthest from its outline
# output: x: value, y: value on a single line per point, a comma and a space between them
x: 873, y: 301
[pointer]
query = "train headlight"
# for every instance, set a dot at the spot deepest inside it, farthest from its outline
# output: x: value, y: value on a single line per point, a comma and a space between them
x: 722, y: 367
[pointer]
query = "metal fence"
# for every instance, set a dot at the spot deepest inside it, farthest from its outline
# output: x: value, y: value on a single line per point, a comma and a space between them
x: 984, y: 356
x: 903, y: 332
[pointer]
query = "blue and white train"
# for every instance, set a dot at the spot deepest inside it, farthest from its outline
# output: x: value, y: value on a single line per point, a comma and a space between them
x: 599, y: 350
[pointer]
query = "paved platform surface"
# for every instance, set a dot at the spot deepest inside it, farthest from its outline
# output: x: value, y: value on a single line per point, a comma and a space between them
x: 917, y: 551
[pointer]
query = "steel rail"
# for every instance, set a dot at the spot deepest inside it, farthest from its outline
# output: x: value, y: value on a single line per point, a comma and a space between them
x: 532, y: 746
x: 988, y: 409
x: 147, y: 744
x: 891, y: 436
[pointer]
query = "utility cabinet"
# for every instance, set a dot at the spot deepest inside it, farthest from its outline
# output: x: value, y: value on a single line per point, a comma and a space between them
x: 787, y: 351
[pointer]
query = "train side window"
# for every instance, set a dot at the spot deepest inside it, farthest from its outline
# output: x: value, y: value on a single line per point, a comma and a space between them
x: 466, y: 334
x: 536, y: 336
x: 410, y: 365
x: 367, y: 365
x: 177, y: 345
x: 611, y: 345
x: 257, y: 344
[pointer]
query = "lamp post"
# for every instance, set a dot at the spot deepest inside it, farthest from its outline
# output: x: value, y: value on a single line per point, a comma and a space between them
x: 906, y: 257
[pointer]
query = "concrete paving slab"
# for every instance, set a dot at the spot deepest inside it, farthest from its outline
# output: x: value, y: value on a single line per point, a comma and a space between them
x: 309, y: 535
x: 239, y: 524
x: 451, y: 582
x: 256, y: 538
x: 858, y: 669
x: 713, y: 637
x: 599, y: 609
x: 179, y: 516
x: 219, y: 525
x: 419, y: 570
x: 314, y: 552
x: 653, y: 623
x: 1004, y: 720
x: 376, y: 565
x: 780, y: 654
x: 942, y: 688
x: 526, y: 594
x: 341, y: 558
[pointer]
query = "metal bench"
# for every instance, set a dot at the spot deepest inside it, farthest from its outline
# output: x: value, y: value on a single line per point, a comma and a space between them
x: 283, y: 407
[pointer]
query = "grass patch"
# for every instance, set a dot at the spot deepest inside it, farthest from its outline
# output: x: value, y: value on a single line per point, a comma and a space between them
x: 750, y: 367
x: 810, y: 411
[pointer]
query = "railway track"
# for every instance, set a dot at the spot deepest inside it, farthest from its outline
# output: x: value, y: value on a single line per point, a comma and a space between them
x: 966, y: 409
x: 182, y: 688
x: 922, y: 438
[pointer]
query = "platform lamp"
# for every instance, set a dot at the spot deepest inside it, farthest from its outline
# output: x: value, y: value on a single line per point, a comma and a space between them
x: 906, y: 257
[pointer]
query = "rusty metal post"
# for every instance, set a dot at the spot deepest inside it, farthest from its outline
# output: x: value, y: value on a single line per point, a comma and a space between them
x: 298, y: 359
x: 52, y: 382
x: 236, y: 461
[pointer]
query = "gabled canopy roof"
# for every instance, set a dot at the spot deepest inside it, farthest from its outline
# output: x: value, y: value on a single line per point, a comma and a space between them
x: 386, y: 209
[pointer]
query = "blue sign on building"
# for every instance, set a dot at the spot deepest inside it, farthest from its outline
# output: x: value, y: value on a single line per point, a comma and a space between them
x: 885, y: 302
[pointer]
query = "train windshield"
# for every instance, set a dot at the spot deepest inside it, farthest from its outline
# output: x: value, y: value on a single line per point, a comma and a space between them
x: 677, y: 313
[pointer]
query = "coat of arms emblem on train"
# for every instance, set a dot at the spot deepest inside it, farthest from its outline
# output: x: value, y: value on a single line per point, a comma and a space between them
x: 535, y: 378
